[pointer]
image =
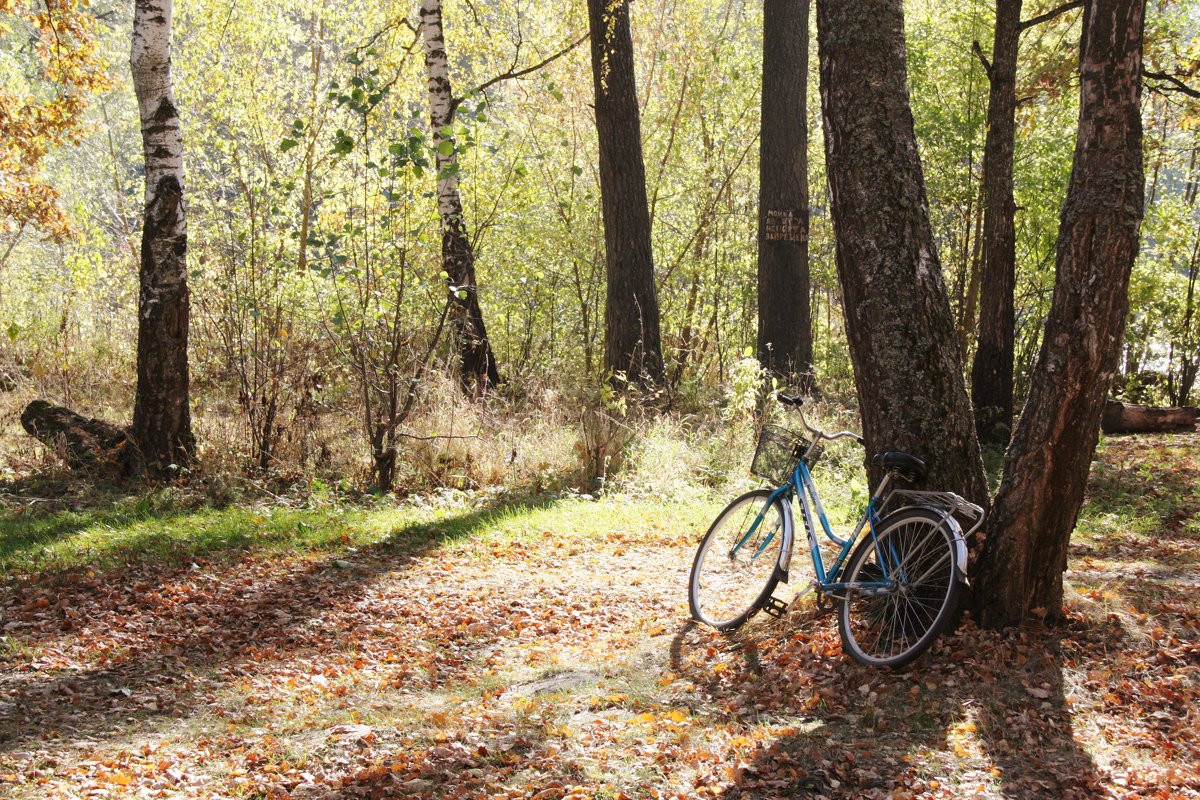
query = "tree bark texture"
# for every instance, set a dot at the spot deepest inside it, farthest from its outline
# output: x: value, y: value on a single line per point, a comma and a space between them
x: 992, y: 371
x: 477, y: 361
x: 162, y: 422
x: 632, y: 342
x: 1046, y: 467
x: 84, y: 443
x: 1121, y: 417
x: 907, y: 363
x: 784, y: 326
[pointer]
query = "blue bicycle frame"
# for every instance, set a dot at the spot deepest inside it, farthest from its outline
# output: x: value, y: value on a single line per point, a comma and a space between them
x: 801, y: 486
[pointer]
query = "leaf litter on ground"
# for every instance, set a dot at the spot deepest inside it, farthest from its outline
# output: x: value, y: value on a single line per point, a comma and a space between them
x: 546, y: 653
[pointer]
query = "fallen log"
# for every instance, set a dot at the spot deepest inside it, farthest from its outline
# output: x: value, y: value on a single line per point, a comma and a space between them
x: 1129, y: 418
x: 85, y: 443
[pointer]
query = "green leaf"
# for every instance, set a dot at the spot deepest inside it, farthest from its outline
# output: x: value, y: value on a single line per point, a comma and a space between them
x: 287, y: 144
x: 578, y: 170
x: 446, y: 147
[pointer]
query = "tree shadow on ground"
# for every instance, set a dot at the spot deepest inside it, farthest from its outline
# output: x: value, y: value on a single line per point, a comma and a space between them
x: 995, y: 717
x: 101, y: 652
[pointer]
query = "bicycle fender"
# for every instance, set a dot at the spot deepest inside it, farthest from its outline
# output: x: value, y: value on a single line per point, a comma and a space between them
x: 960, y: 550
x: 956, y: 531
x: 785, y: 550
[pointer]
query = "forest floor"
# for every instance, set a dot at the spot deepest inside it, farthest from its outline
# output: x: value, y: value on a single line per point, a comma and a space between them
x: 542, y: 649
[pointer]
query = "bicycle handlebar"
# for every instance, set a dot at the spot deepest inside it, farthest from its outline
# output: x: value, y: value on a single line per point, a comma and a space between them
x: 796, y: 402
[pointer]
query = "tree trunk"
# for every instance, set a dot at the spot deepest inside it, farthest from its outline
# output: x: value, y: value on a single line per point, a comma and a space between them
x: 162, y: 422
x: 83, y: 442
x: 1129, y: 418
x: 784, y: 334
x: 632, y: 343
x: 907, y: 364
x: 1046, y: 467
x: 477, y: 362
x: 992, y: 372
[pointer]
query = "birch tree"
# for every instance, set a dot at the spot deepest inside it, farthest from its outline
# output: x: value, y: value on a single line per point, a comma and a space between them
x: 477, y: 362
x: 162, y: 424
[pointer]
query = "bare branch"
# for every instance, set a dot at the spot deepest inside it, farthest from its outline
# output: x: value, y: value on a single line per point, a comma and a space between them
x: 1051, y: 14
x: 438, y: 436
x: 1175, y: 84
x: 978, y: 51
x: 520, y: 73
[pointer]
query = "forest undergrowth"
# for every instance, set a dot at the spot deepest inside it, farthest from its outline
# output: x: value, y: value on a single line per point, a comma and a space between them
x: 536, y: 643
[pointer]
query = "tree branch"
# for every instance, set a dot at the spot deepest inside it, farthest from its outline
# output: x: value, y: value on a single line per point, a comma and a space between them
x: 978, y: 51
x: 1176, y: 85
x: 519, y: 73
x: 1051, y: 14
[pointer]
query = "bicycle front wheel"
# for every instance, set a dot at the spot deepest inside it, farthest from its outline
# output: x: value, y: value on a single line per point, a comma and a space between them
x: 913, y: 553
x: 734, y: 571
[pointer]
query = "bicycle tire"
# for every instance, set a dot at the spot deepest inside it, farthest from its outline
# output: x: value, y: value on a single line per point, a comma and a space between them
x: 728, y: 585
x: 892, y: 628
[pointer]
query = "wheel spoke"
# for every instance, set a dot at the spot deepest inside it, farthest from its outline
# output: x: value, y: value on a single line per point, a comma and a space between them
x: 916, y: 553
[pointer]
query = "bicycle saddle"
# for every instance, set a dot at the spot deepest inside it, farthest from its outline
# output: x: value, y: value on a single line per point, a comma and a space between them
x: 909, y: 466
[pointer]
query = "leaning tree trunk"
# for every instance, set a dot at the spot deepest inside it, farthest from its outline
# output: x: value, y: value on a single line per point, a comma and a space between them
x: 632, y: 344
x: 84, y: 443
x: 477, y: 362
x: 992, y: 372
x: 907, y: 362
x: 784, y: 332
x: 162, y: 422
x: 1046, y: 468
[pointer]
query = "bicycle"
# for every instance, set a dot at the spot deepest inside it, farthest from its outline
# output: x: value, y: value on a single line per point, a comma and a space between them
x: 893, y: 592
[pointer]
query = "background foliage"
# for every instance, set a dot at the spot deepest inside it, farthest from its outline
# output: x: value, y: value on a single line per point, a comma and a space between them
x: 315, y: 252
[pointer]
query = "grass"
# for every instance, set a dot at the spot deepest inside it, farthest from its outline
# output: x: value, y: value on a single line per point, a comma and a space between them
x: 132, y: 531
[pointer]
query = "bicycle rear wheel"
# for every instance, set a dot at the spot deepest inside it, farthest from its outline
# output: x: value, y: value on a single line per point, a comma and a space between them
x: 735, y: 567
x: 890, y: 627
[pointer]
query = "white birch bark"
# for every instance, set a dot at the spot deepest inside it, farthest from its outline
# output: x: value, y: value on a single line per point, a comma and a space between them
x: 478, y: 364
x: 441, y: 108
x: 161, y: 416
x: 150, y: 61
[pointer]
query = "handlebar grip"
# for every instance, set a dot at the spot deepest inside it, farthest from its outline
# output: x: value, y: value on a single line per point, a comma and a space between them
x: 790, y: 399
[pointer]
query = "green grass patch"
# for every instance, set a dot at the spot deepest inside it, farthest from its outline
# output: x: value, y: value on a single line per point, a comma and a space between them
x: 135, y: 531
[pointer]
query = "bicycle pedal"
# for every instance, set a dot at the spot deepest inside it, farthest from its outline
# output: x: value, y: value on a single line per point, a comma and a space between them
x: 774, y: 607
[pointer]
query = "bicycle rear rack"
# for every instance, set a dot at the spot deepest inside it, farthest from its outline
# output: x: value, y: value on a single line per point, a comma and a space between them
x: 942, y: 501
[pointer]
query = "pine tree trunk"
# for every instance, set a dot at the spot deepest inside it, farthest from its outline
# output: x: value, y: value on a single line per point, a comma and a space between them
x: 632, y: 343
x: 162, y: 423
x: 907, y: 364
x: 992, y: 372
x: 784, y: 332
x: 477, y: 362
x: 1046, y: 468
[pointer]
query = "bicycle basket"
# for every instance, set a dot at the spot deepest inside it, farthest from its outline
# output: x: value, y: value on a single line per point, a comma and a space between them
x: 777, y: 452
